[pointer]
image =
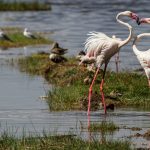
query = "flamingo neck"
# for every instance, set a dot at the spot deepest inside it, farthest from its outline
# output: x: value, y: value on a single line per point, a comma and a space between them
x: 135, y: 49
x: 122, y: 43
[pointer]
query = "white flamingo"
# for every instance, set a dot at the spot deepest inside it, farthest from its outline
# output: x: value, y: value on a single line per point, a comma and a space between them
x: 102, y: 48
x: 143, y: 56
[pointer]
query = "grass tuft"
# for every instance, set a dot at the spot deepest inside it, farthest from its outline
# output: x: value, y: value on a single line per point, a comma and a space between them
x: 103, y: 127
x: 61, y: 142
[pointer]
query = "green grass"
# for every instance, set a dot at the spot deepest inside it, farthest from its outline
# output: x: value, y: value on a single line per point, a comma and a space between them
x: 23, y: 6
x: 103, y: 127
x: 62, y: 142
x: 19, y: 40
x: 69, y: 89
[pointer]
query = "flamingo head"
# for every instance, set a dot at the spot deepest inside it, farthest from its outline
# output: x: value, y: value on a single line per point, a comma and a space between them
x: 132, y: 15
x: 144, y: 20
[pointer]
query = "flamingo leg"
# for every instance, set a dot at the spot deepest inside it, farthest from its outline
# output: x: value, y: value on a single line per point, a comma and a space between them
x: 101, y: 89
x: 90, y: 94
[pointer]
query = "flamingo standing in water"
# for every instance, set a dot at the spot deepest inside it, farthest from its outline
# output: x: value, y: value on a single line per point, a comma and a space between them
x: 143, y: 56
x: 101, y: 48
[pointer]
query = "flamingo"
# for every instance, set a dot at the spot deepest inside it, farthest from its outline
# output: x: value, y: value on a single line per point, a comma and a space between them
x: 143, y: 56
x: 101, y: 47
x: 28, y: 34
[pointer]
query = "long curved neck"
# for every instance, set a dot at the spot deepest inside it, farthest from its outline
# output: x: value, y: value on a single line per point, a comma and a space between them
x: 122, y: 43
x: 135, y: 49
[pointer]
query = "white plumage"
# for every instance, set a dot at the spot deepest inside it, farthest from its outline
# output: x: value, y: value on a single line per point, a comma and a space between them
x: 143, y: 56
x: 28, y: 34
x: 100, y: 46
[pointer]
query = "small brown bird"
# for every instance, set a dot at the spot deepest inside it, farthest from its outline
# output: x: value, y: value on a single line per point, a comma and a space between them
x: 56, y: 53
x: 58, y: 50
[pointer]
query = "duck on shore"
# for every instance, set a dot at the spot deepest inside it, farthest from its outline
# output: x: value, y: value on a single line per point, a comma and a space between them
x: 56, y: 53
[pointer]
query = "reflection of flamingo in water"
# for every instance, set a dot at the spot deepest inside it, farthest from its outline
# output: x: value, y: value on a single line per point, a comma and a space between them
x: 143, y: 56
x: 101, y: 48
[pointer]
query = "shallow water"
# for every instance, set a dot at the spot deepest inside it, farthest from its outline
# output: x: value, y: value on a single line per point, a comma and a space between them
x: 68, y: 23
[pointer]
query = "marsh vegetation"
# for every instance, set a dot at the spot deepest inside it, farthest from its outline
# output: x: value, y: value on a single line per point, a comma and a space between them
x: 60, y: 142
x: 70, y: 92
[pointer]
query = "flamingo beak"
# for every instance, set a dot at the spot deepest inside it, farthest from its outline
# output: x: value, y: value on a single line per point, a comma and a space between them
x: 138, y: 21
x: 144, y: 20
x: 136, y: 17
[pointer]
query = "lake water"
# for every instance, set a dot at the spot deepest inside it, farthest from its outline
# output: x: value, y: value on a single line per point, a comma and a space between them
x: 68, y: 23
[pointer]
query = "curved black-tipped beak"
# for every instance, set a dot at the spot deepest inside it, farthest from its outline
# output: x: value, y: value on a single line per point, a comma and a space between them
x: 138, y: 21
x: 136, y: 17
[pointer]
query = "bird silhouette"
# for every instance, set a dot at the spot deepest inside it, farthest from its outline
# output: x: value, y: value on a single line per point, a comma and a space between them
x: 101, y: 47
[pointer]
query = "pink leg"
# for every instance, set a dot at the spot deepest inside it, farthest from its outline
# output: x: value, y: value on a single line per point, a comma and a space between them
x: 102, y: 93
x: 149, y: 82
x: 89, y: 97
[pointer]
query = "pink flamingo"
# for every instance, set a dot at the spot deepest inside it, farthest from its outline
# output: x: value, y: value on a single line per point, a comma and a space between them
x: 101, y: 48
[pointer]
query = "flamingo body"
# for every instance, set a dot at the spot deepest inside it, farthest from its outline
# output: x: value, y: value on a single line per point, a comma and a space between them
x: 143, y: 56
x: 101, y: 47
